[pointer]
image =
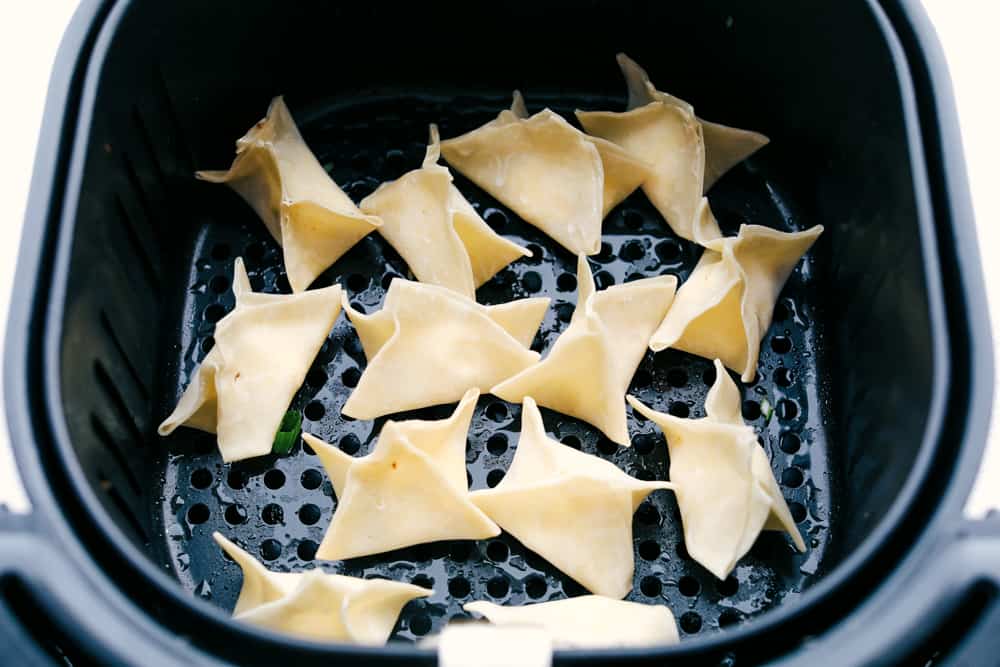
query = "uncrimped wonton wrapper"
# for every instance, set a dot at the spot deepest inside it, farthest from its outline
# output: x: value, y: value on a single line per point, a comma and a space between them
x: 316, y: 605
x: 687, y: 154
x: 573, y: 509
x: 589, y: 621
x: 548, y: 172
x: 410, y: 490
x: 429, y: 345
x: 435, y: 229
x: 725, y: 307
x: 724, y: 485
x: 263, y: 350
x: 305, y: 211
x: 592, y: 363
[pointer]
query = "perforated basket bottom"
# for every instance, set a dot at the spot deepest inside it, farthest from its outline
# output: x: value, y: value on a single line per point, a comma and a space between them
x: 279, y: 507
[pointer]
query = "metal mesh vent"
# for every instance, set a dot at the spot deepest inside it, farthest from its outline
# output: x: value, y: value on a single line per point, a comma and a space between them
x: 278, y: 508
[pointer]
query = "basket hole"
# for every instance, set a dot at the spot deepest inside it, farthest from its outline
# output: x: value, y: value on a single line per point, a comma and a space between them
x: 395, y: 160
x: 316, y: 377
x: 314, y: 411
x: 497, y: 444
x: 496, y: 412
x: 668, y: 251
x: 751, y: 410
x: 459, y: 587
x: 789, y: 443
x: 688, y: 586
x: 571, y: 441
x: 420, y: 624
x: 729, y: 618
x: 358, y: 307
x: 357, y: 282
x: 564, y: 311
x: 235, y: 515
x: 494, y: 477
x: 198, y: 513
x: 606, y: 447
x: 531, y: 282
x: 236, y: 479
x: 309, y: 514
x: 498, y: 587
x: 798, y: 511
x: 650, y: 586
x: 220, y: 251
x: 677, y: 377
x: 632, y: 250
x: 603, y: 280
x: 350, y: 444
x: 535, y: 587
x: 201, y: 478
x: 648, y: 515
x: 607, y: 253
x: 307, y: 449
x: 306, y: 550
x: 218, y: 284
x: 270, y: 549
x: 214, y: 313
x: 272, y: 514
x: 350, y: 377
x: 792, y: 477
x: 649, y: 550
x: 496, y: 219
x: 644, y: 444
x: 311, y: 479
x: 728, y: 587
x: 690, y: 622
x: 783, y: 377
x: 708, y: 376
x: 497, y: 551
x: 632, y: 277
x: 459, y: 551
x: 781, y: 344
x: 537, y: 254
x: 423, y: 581
x: 787, y: 409
x: 566, y: 282
x: 274, y: 479
x: 679, y: 409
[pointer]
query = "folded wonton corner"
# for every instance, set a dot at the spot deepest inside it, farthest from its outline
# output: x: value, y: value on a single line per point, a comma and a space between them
x: 687, y: 154
x: 263, y: 350
x: 588, y: 621
x: 573, y: 509
x: 548, y: 172
x: 724, y: 485
x: 305, y: 211
x: 592, y: 363
x: 725, y: 307
x: 410, y: 490
x: 436, y: 230
x: 429, y: 345
x: 317, y: 605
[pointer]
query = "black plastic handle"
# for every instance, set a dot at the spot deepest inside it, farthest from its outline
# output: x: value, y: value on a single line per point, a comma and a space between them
x: 943, y: 603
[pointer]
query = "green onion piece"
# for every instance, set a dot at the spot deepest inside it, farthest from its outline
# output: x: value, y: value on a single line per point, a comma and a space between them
x: 288, y: 432
x: 766, y: 409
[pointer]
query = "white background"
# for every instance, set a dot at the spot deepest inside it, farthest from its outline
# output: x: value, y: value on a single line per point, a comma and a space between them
x: 967, y: 29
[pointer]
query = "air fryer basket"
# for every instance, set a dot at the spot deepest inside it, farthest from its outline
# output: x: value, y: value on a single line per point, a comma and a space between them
x: 875, y: 379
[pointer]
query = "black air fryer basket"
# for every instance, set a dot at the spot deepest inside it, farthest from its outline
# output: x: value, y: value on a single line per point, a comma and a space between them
x: 877, y: 366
